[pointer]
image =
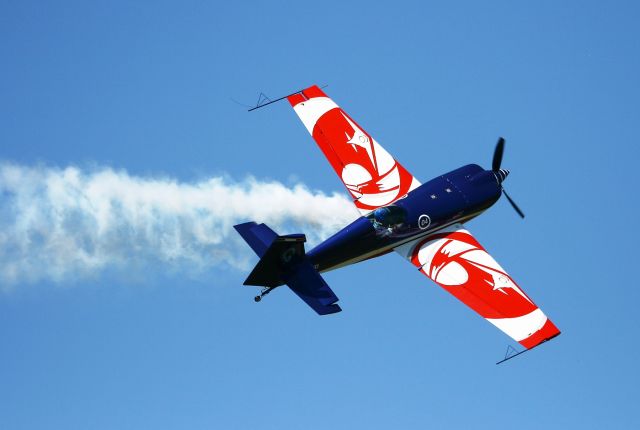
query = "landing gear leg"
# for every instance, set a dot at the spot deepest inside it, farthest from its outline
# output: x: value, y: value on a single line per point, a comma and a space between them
x: 263, y: 293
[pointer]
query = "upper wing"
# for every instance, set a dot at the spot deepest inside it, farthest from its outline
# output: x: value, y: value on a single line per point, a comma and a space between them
x: 372, y: 176
x: 455, y: 260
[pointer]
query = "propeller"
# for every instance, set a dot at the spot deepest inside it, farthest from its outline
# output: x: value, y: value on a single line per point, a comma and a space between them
x: 515, y: 206
x: 501, y: 174
x: 497, y: 155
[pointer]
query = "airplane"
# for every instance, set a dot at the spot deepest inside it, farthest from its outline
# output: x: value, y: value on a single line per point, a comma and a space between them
x: 421, y: 222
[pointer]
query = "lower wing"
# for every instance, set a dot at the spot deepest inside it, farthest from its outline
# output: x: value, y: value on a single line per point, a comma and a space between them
x: 455, y: 260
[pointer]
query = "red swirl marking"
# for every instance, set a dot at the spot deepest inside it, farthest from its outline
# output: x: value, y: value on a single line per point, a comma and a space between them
x: 482, y: 291
x: 344, y: 145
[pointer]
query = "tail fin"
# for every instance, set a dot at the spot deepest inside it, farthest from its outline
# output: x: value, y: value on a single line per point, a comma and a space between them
x: 283, y: 261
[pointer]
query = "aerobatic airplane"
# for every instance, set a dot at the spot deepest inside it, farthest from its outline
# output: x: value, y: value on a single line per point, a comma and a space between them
x: 421, y: 222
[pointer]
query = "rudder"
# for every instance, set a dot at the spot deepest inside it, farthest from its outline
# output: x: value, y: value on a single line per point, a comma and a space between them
x: 283, y: 261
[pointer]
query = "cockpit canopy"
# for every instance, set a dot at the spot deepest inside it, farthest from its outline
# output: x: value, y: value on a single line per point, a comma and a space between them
x: 388, y: 216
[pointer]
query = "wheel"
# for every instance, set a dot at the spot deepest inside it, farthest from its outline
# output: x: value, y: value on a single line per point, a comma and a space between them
x: 257, y: 299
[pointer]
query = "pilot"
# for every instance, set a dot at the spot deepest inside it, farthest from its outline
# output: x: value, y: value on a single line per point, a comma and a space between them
x: 380, y: 215
x: 383, y: 221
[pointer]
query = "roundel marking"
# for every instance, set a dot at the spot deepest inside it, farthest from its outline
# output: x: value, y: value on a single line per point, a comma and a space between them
x: 424, y: 221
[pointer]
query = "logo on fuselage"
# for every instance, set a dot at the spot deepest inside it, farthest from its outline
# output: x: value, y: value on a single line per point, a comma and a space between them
x: 424, y: 221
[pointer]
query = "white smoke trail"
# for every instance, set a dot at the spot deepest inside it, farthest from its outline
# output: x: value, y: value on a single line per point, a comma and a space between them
x: 66, y: 224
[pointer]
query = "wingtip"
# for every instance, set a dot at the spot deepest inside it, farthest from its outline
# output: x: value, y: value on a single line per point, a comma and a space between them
x: 545, y: 334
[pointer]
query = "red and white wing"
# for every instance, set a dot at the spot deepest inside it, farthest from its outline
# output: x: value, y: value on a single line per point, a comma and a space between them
x: 455, y: 260
x: 372, y: 176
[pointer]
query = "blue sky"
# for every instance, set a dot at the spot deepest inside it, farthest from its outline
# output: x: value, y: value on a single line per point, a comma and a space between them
x: 146, y: 88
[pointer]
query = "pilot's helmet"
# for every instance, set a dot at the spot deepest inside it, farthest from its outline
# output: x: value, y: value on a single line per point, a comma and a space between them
x: 380, y: 214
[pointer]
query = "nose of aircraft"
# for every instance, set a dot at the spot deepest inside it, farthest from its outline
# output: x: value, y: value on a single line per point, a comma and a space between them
x: 501, y: 175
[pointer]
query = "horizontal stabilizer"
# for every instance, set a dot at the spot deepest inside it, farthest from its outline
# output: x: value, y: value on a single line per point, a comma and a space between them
x: 258, y: 236
x: 307, y: 283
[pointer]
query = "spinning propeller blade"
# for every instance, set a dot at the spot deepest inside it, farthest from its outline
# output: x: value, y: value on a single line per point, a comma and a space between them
x: 515, y: 206
x: 497, y: 155
x: 501, y: 174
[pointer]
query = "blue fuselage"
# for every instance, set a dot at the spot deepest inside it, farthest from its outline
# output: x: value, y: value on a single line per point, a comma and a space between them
x: 456, y: 196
